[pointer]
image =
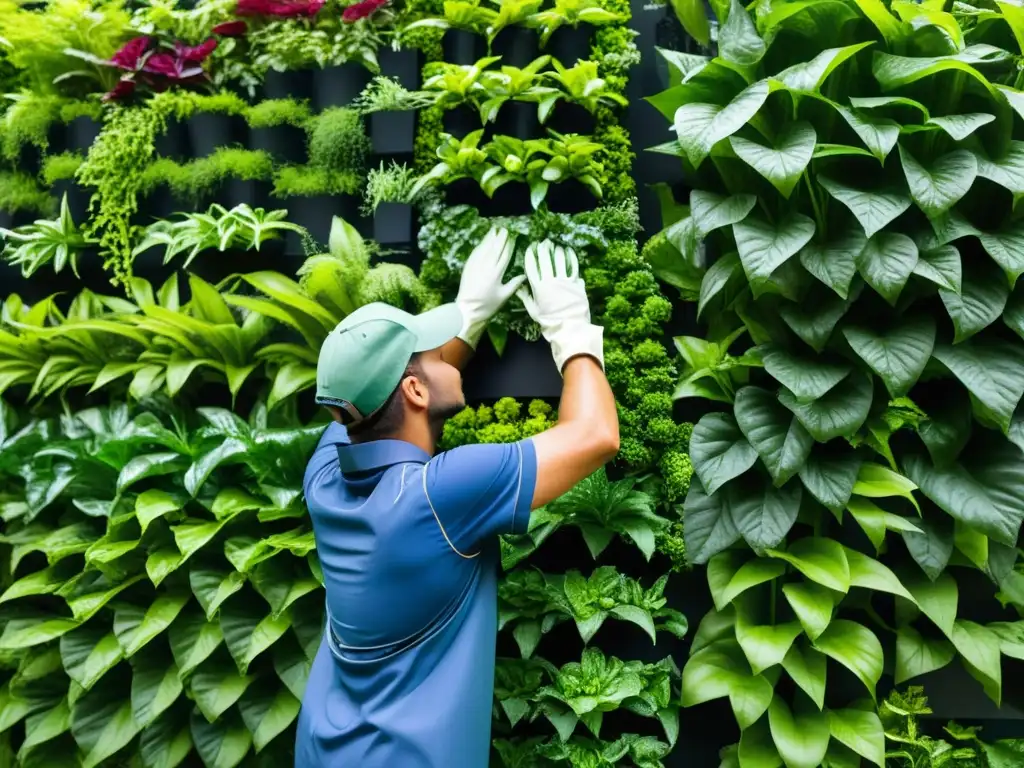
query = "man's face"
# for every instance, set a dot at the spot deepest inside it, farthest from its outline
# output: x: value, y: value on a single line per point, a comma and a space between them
x: 445, y: 383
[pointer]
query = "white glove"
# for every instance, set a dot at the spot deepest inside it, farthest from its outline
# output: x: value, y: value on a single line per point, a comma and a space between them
x: 559, y: 303
x: 481, y: 291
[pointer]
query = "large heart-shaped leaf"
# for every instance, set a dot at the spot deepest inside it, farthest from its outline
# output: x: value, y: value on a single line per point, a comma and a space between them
x: 943, y: 183
x: 807, y: 377
x: 932, y: 547
x: 808, y: 667
x: 719, y: 451
x: 1007, y: 171
x: 819, y: 559
x: 835, y: 263
x: 766, y: 645
x: 738, y: 40
x: 980, y: 301
x: 815, y: 319
x: 267, y: 709
x: 861, y: 731
x: 879, y: 134
x: 940, y: 265
x: 709, y: 527
x: 992, y: 371
x: 766, y: 515
x: 839, y: 413
x: 779, y: 439
x: 813, y: 605
x: 886, y: 263
x: 979, y: 647
x: 102, y: 723
x: 830, y: 479
x: 710, y: 211
x: 959, y: 127
x: 985, y: 490
x: 764, y: 247
x: 855, y: 647
x: 700, y: 126
x: 1006, y: 248
x: 221, y: 744
x: 897, y: 355
x: 783, y: 163
x: 809, y: 76
x: 917, y: 655
x: 874, y: 210
x: 801, y: 737
x: 721, y: 670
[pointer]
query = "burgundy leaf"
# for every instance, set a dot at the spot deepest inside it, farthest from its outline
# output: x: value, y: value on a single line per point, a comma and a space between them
x: 195, y: 54
x: 361, y: 10
x: 231, y: 29
x: 125, y: 87
x: 131, y: 54
x: 282, y: 8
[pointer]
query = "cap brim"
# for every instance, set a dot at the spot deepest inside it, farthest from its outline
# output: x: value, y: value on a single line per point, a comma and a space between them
x: 436, y: 327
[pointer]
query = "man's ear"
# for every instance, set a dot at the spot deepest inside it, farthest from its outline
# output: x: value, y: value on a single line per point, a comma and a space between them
x: 415, y: 392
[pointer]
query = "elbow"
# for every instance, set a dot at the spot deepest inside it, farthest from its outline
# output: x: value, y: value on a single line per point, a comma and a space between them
x: 608, y: 443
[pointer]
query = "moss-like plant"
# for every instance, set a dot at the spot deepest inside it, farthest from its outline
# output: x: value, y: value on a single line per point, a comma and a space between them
x: 61, y: 167
x: 338, y: 141
x: 196, y: 179
x: 20, y: 192
x: 308, y: 181
x: 388, y: 185
x: 274, y: 112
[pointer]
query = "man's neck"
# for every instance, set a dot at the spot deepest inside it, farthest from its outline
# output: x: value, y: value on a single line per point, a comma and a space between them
x: 420, y: 435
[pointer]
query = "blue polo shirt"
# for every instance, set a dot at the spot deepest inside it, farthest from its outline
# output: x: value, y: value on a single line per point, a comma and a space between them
x: 404, y: 677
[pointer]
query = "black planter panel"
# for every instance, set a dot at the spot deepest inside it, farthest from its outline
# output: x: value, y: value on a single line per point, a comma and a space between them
x: 81, y: 133
x: 208, y: 131
x: 338, y: 86
x: 523, y: 370
x: 285, y: 143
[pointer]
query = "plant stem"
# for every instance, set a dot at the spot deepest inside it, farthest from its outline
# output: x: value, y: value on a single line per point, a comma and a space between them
x: 818, y: 215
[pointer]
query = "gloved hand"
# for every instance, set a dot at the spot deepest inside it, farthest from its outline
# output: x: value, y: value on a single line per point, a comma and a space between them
x: 481, y: 290
x: 559, y: 303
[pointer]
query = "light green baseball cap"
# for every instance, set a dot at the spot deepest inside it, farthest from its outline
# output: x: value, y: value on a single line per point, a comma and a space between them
x: 362, y: 360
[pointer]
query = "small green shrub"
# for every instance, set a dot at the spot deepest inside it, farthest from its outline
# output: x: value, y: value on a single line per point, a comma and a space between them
x: 196, y: 179
x: 338, y: 141
x: 61, y: 167
x: 275, y: 112
x: 307, y: 181
x: 20, y: 192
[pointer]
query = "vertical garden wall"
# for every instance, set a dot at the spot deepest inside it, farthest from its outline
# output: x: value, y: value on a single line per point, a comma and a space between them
x: 817, y: 361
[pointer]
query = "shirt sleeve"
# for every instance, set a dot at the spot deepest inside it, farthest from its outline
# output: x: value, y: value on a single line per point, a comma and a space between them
x: 326, y: 452
x: 479, y: 491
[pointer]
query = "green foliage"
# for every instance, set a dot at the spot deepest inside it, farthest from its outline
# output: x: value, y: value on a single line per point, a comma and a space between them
x: 21, y: 192
x: 388, y: 185
x: 338, y: 140
x: 56, y: 242
x: 61, y: 167
x: 852, y: 190
x: 274, y: 112
x: 503, y: 422
x: 196, y: 180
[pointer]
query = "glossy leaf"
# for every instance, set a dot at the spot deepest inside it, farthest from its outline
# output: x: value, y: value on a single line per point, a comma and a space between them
x: 719, y: 451
x: 874, y: 210
x: 778, y: 438
x: 764, y: 247
x: 839, y: 413
x: 783, y: 163
x: 943, y: 183
x: 887, y: 262
x: 899, y: 354
x: 855, y: 647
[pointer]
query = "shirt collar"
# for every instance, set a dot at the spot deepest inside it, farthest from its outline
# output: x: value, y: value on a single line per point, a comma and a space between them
x: 378, y: 454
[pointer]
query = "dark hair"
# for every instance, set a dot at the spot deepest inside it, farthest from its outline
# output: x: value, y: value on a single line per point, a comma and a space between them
x: 388, y: 419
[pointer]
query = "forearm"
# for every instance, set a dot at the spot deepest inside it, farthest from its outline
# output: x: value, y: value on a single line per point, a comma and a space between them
x: 457, y: 353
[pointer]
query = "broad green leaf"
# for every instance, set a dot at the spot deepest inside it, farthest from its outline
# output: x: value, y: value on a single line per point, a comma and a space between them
x: 161, y: 563
x: 855, y: 647
x: 874, y: 210
x: 766, y: 645
x: 719, y: 451
x: 877, y: 482
x: 1006, y: 171
x: 783, y: 163
x: 839, y: 413
x: 807, y: 377
x: 980, y: 301
x: 765, y: 517
x: 932, y: 548
x: 248, y: 631
x: 150, y: 465
x: 281, y: 584
x: 764, y: 247
x: 102, y: 724
x: 43, y: 726
x: 959, y: 127
x: 985, y: 490
x: 700, y: 126
x: 896, y: 71
x: 835, y: 263
x: 223, y: 744
x: 899, y: 354
x: 979, y: 648
x: 947, y: 431
x: 26, y: 633
x: 756, y: 748
x: 971, y: 543
x: 868, y: 573
x: 940, y: 186
x: 887, y: 262
x: 88, y: 653
x: 267, y: 710
x: 48, y: 580
x: 749, y: 575
x: 166, y: 743
x: 823, y: 150
x: 993, y: 372
x: 193, y: 638
x: 820, y: 560
x: 217, y: 686
x: 813, y: 605
x: 710, y: 211
x: 292, y: 666
x: 738, y: 41
x: 694, y: 19
x: 135, y: 626
x: 879, y: 134
x: 814, y: 320
x: 779, y: 439
x: 809, y: 669
x: 721, y: 670
x: 1006, y: 248
x: 809, y: 76
x: 94, y: 591
x: 876, y: 521
x: 800, y: 737
x: 830, y: 479
x: 917, y: 655
x: 212, y: 587
x: 156, y: 685
x: 231, y: 450
x: 937, y: 600
x: 708, y: 521
x: 724, y: 272
x: 940, y: 265
x: 861, y: 731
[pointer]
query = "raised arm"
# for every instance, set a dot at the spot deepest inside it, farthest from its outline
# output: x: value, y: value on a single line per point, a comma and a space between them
x: 587, y: 433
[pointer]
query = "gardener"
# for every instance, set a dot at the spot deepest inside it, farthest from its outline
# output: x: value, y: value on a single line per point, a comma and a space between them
x: 408, y: 540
